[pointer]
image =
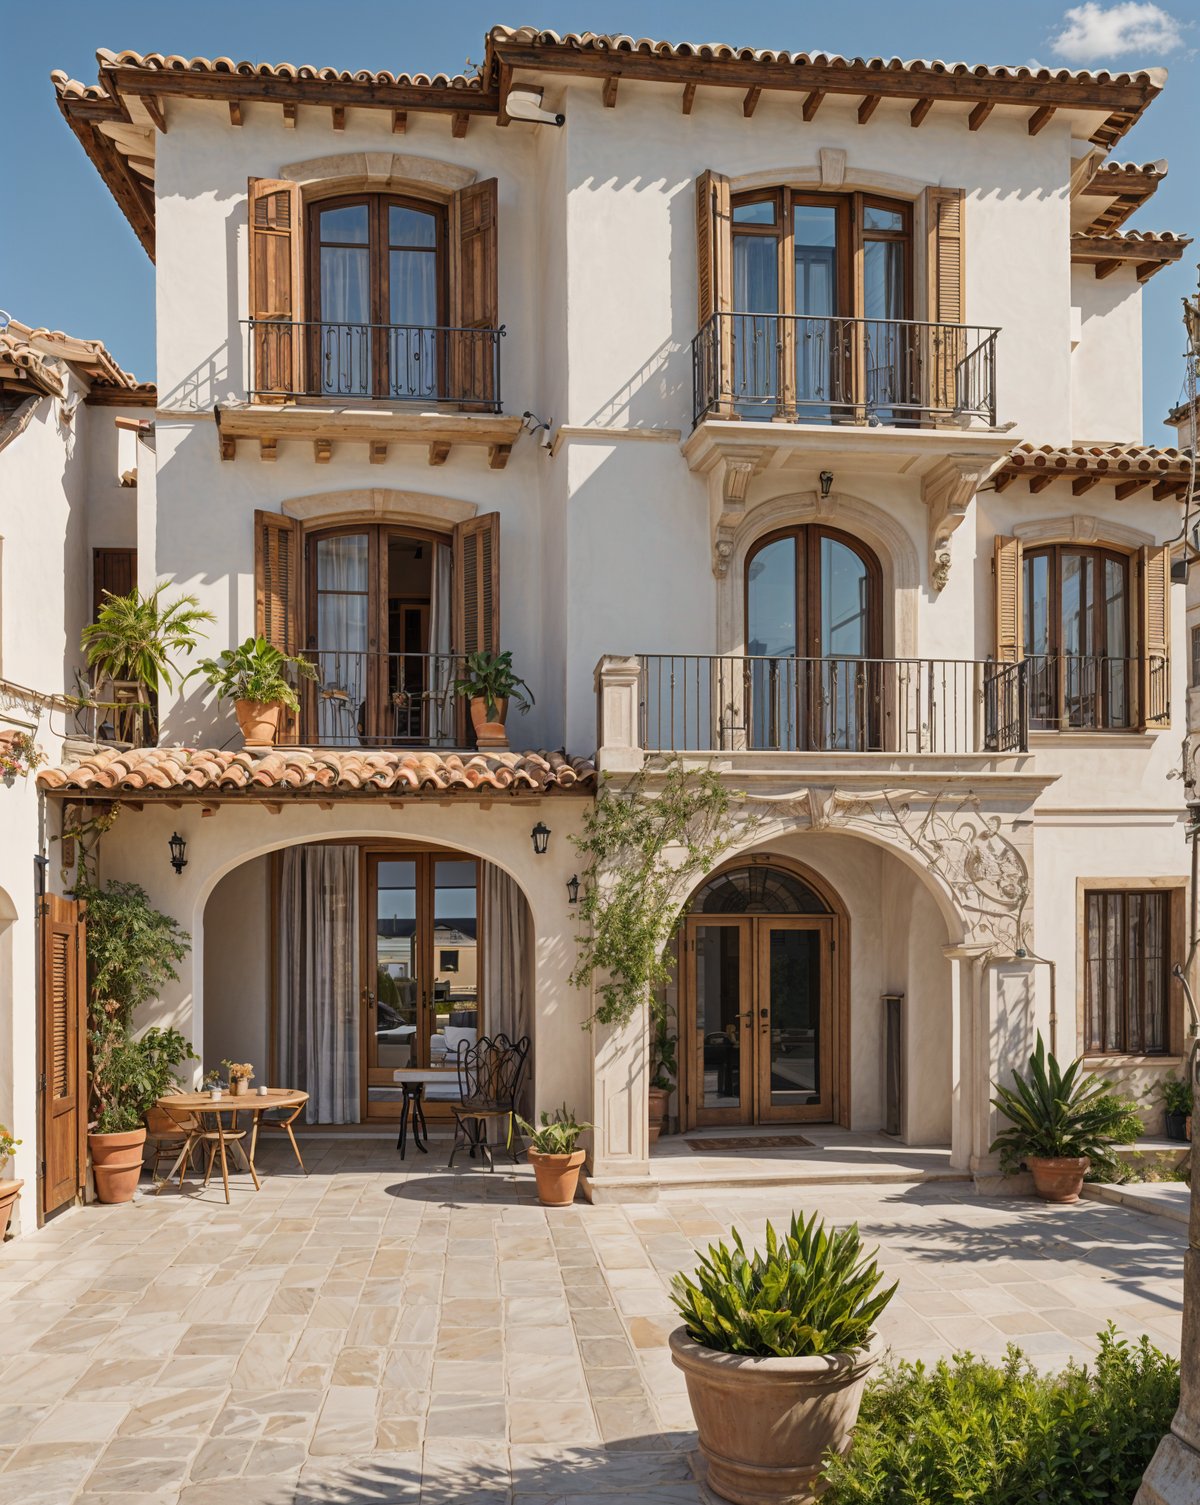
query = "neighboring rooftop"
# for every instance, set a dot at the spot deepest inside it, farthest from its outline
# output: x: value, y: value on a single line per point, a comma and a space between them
x: 31, y: 360
x: 1148, y: 250
x: 1129, y: 467
x: 1112, y: 192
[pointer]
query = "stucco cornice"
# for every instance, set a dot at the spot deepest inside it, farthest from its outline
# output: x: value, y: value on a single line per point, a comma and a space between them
x: 348, y: 171
x: 379, y: 504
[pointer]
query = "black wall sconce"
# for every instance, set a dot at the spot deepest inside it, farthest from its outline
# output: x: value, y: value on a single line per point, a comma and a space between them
x: 540, y: 836
x: 178, y: 852
x: 826, y: 483
x: 573, y: 889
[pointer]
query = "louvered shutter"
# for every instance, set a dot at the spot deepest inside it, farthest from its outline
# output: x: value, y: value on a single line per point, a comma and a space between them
x: 477, y: 585
x: 476, y: 294
x: 63, y: 1049
x: 946, y: 293
x: 114, y: 573
x: 1154, y: 698
x: 275, y: 289
x: 278, y: 563
x: 714, y: 291
x: 1007, y: 567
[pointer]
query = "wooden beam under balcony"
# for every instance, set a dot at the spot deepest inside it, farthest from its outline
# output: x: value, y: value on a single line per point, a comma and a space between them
x: 868, y: 107
x: 812, y: 104
x: 980, y: 113
x: 609, y: 92
x: 689, y: 98
x: 321, y: 428
x: 1041, y: 117
x: 919, y: 111
x: 750, y: 103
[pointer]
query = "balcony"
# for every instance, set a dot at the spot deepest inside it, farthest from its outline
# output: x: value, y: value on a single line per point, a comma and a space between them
x: 364, y: 699
x: 1085, y: 692
x: 877, y: 372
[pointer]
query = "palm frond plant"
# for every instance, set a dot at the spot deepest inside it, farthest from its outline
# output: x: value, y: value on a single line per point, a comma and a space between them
x: 1061, y: 1113
x: 139, y: 638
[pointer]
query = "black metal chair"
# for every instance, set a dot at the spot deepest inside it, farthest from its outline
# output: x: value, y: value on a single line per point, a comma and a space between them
x: 490, y: 1073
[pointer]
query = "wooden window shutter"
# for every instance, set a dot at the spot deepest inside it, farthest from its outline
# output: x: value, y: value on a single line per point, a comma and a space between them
x: 477, y: 585
x: 275, y: 287
x: 63, y: 1048
x: 1154, y: 572
x: 475, y: 289
x: 114, y: 572
x: 1008, y: 567
x: 278, y: 564
x: 945, y: 293
x: 714, y: 283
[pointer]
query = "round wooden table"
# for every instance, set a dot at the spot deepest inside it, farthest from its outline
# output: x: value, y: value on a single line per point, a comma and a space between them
x: 195, y: 1107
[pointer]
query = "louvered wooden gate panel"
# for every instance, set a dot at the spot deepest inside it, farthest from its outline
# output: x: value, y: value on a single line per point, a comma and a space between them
x: 63, y: 1051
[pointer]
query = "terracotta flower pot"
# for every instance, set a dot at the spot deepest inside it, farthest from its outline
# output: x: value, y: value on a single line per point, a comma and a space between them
x: 1059, y: 1180
x: 9, y: 1192
x: 259, y: 721
x: 659, y: 1098
x: 489, y: 733
x: 766, y: 1424
x: 117, y: 1164
x: 557, y: 1177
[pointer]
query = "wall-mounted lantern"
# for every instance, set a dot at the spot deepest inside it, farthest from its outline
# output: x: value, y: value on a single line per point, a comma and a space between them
x: 826, y: 483
x: 573, y: 889
x: 178, y: 852
x: 540, y: 835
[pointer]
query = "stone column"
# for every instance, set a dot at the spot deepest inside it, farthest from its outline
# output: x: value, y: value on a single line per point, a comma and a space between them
x: 967, y: 1085
x: 619, y: 1168
x: 617, y: 685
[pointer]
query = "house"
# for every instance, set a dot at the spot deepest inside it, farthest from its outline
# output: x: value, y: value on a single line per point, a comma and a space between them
x: 69, y: 421
x: 778, y: 412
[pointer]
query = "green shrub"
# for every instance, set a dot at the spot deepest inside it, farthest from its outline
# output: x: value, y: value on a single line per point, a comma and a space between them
x: 813, y: 1292
x: 968, y: 1432
x: 555, y: 1136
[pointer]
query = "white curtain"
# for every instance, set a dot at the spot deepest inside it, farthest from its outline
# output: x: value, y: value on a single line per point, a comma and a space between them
x: 342, y: 598
x: 507, y: 963
x: 318, y: 980
x: 442, y: 716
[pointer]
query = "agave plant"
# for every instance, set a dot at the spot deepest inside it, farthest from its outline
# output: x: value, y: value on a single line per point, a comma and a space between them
x: 555, y: 1136
x: 813, y: 1292
x: 139, y: 637
x: 1057, y: 1114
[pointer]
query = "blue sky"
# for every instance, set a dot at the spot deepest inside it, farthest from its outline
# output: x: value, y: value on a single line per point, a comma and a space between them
x: 75, y: 264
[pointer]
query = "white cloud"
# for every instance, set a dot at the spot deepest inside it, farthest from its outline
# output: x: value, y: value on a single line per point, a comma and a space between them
x: 1093, y: 33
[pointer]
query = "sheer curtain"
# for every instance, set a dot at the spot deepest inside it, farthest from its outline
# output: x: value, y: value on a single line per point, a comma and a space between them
x: 442, y: 710
x: 507, y: 964
x: 342, y: 603
x: 318, y: 980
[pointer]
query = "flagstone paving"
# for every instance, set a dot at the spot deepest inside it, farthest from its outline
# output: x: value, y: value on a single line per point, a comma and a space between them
x: 384, y: 1331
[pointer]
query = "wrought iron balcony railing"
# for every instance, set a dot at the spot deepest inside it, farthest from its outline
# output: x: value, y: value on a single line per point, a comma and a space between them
x: 834, y: 370
x: 1087, y: 692
x: 364, y: 699
x: 387, y: 362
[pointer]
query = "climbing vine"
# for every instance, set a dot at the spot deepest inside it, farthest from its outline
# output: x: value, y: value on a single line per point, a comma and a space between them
x: 643, y: 848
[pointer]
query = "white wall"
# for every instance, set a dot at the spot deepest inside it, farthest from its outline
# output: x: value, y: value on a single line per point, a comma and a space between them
x: 1106, y: 365
x: 237, y: 972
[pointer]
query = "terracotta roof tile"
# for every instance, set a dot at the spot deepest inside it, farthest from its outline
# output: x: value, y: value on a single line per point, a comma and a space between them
x: 305, y: 771
x: 1134, y: 238
x: 38, y: 352
x: 1168, y: 470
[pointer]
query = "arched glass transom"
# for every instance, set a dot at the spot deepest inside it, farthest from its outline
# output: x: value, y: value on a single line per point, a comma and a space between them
x: 759, y: 889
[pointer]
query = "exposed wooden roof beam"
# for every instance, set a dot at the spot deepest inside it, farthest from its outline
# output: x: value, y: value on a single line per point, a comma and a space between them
x: 1040, y: 117
x: 439, y: 450
x: 459, y: 123
x: 689, y: 97
x: 751, y: 101
x: 498, y: 455
x: 1126, y: 488
x: 154, y: 108
x: 289, y: 115
x: 1107, y: 268
x: 322, y: 451
x: 1041, y: 480
x: 399, y: 122
x: 1005, y: 479
x: 812, y: 103
x: 1084, y: 483
x: 338, y: 113
x: 378, y: 451
x: 980, y: 113
x: 266, y: 447
x: 867, y: 107
x: 1167, y: 488
x: 235, y: 112
x: 609, y: 92
x: 919, y: 111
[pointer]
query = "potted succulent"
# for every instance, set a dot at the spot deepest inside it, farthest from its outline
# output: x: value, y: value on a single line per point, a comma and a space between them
x: 9, y: 1190
x: 488, y: 684
x: 664, y: 1065
x: 776, y: 1349
x: 241, y: 1074
x: 552, y: 1153
x: 254, y: 675
x: 1061, y: 1124
x: 1176, y: 1093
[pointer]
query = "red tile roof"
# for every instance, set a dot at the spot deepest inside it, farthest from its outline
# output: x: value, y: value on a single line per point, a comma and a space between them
x: 302, y: 772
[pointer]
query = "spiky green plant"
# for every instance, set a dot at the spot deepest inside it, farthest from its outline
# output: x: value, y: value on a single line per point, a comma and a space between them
x: 813, y: 1292
x: 256, y: 670
x: 1061, y: 1114
x: 555, y: 1136
x: 139, y: 637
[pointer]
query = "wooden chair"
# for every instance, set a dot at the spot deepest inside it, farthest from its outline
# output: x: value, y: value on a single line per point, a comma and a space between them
x: 216, y: 1140
x: 285, y: 1125
x: 169, y: 1133
x: 490, y: 1073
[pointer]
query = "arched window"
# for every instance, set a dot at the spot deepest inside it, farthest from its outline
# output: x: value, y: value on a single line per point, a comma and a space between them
x: 758, y: 889
x: 812, y: 616
x: 1077, y: 632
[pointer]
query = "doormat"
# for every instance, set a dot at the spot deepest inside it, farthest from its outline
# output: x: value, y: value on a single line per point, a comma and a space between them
x: 759, y: 1142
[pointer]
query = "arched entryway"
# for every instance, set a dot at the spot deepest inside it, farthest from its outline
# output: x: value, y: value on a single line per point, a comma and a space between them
x: 763, y: 989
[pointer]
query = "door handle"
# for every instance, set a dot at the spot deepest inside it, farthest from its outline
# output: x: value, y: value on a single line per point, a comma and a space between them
x: 368, y: 998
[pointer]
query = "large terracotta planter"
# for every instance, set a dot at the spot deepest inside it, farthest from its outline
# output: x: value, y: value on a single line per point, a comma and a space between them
x: 259, y: 722
x: 9, y: 1192
x: 766, y: 1424
x: 117, y: 1164
x: 489, y: 733
x: 1059, y: 1180
x: 659, y: 1098
x: 557, y: 1177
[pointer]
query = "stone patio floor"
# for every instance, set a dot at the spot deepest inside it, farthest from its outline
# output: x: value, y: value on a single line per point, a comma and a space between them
x: 379, y: 1331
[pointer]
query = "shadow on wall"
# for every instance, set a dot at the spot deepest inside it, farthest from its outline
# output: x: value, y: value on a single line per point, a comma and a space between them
x: 222, y: 374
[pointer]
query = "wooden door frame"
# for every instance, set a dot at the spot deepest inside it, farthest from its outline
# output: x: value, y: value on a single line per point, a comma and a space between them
x: 50, y: 913
x: 693, y: 1057
x: 764, y: 1112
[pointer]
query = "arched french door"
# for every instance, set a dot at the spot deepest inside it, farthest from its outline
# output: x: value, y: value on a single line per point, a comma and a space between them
x: 814, y: 642
x: 761, y: 1030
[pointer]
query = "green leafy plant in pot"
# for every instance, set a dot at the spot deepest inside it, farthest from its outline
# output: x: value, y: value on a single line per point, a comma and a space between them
x: 552, y: 1153
x: 132, y: 952
x: 664, y: 1067
x: 1176, y: 1094
x: 488, y: 684
x: 257, y: 677
x: 9, y: 1190
x: 776, y: 1349
x: 1061, y: 1123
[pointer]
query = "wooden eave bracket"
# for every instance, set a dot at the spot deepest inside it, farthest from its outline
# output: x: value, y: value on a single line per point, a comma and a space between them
x: 948, y: 491
x: 323, y: 428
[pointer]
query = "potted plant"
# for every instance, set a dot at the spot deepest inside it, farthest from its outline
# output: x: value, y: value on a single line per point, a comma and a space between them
x: 488, y: 684
x: 552, y: 1153
x: 241, y: 1074
x: 213, y: 1083
x: 1176, y: 1093
x: 1061, y: 1123
x: 776, y: 1349
x: 254, y: 675
x: 9, y: 1190
x: 19, y: 755
x: 138, y: 638
x: 132, y: 950
x: 664, y: 1066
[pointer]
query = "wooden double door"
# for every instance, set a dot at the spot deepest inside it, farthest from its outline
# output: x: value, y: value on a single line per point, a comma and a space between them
x: 759, y: 1023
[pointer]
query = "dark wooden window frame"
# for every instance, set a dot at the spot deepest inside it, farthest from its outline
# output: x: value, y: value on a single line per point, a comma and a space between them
x: 1101, y: 554
x: 808, y: 568
x: 1130, y: 1000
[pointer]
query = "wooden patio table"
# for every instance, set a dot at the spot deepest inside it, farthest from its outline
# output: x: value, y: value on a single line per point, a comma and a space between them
x: 202, y: 1105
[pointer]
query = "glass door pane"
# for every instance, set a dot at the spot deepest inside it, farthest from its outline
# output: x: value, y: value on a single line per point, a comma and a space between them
x: 719, y: 959
x: 413, y: 356
x: 849, y: 714
x: 890, y: 349
x: 772, y: 646
x: 755, y: 319
x: 392, y: 945
x: 453, y: 1016
x: 819, y: 339
x: 342, y: 345
x: 342, y: 618
x: 794, y: 1019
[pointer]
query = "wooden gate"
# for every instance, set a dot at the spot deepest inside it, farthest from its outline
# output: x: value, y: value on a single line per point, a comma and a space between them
x: 62, y: 1051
